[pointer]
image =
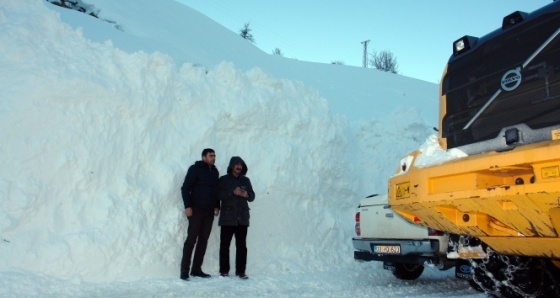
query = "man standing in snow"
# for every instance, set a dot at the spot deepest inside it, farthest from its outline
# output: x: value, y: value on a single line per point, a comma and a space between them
x: 200, y: 196
x: 235, y: 193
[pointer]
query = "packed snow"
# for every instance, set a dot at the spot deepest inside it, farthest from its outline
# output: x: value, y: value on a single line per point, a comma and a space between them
x: 101, y: 117
x: 432, y: 153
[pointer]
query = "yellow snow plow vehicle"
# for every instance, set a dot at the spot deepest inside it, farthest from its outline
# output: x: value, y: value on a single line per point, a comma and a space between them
x: 500, y: 107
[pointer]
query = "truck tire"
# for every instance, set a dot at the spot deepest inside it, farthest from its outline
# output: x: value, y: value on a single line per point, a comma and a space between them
x: 407, y: 271
x: 514, y: 276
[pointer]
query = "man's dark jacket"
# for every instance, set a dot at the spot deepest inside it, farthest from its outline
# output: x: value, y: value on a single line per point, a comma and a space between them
x: 235, y: 209
x: 200, y: 188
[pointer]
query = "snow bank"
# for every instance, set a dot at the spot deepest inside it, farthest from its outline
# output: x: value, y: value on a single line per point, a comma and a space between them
x: 433, y: 154
x: 95, y: 143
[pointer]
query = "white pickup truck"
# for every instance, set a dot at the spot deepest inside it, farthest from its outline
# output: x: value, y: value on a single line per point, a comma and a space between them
x: 404, y: 248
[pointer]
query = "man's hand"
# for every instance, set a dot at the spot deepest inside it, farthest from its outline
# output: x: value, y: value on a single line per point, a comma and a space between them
x: 237, y: 191
x: 216, y: 211
x: 188, y: 212
x: 240, y: 192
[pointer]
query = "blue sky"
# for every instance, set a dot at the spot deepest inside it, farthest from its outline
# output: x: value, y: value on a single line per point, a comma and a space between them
x: 418, y: 33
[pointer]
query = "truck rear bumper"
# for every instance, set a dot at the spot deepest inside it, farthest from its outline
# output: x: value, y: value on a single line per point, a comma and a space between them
x: 407, y: 259
x: 407, y: 246
x: 411, y: 251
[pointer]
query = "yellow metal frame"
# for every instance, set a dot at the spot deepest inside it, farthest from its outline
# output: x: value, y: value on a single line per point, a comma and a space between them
x: 482, y: 196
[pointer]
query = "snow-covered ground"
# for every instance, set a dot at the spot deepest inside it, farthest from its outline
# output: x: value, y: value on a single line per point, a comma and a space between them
x: 101, y: 117
x: 350, y: 280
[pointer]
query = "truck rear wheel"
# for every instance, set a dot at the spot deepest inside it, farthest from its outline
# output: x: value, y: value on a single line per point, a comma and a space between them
x: 514, y: 276
x: 407, y: 271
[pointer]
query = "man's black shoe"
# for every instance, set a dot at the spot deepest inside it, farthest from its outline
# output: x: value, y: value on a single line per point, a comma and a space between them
x: 185, y: 276
x: 200, y: 274
x: 243, y: 276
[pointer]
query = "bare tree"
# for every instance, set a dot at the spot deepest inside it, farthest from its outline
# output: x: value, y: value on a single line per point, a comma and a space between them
x: 384, y: 61
x: 245, y: 32
x: 278, y: 52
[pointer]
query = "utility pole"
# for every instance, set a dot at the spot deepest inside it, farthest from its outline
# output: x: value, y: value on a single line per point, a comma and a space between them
x: 365, y: 42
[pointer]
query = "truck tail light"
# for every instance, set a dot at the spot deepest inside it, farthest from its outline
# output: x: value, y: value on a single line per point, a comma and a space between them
x: 357, y: 226
x: 432, y: 232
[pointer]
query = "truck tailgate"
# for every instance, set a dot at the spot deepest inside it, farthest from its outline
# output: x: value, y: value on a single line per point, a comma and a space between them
x: 377, y: 220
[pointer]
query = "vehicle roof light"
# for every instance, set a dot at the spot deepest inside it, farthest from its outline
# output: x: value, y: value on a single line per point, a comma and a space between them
x: 459, y: 45
x: 463, y: 44
x: 513, y: 19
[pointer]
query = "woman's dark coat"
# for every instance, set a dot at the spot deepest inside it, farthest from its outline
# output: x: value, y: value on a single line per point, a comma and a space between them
x: 234, y: 209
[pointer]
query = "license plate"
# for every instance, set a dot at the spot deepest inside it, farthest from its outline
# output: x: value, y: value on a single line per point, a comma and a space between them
x: 387, y: 249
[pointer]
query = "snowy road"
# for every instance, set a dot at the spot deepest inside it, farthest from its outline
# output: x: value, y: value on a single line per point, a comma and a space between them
x: 357, y: 280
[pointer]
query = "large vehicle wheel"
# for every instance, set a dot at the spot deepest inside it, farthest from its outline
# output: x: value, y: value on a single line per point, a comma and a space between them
x: 514, y: 276
x: 407, y: 271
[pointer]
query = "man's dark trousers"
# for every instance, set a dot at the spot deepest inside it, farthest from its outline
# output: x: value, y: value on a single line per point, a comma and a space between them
x: 200, y: 226
x: 226, y: 234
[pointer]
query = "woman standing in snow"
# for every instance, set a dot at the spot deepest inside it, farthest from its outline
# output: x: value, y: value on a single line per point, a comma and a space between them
x: 235, y: 191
